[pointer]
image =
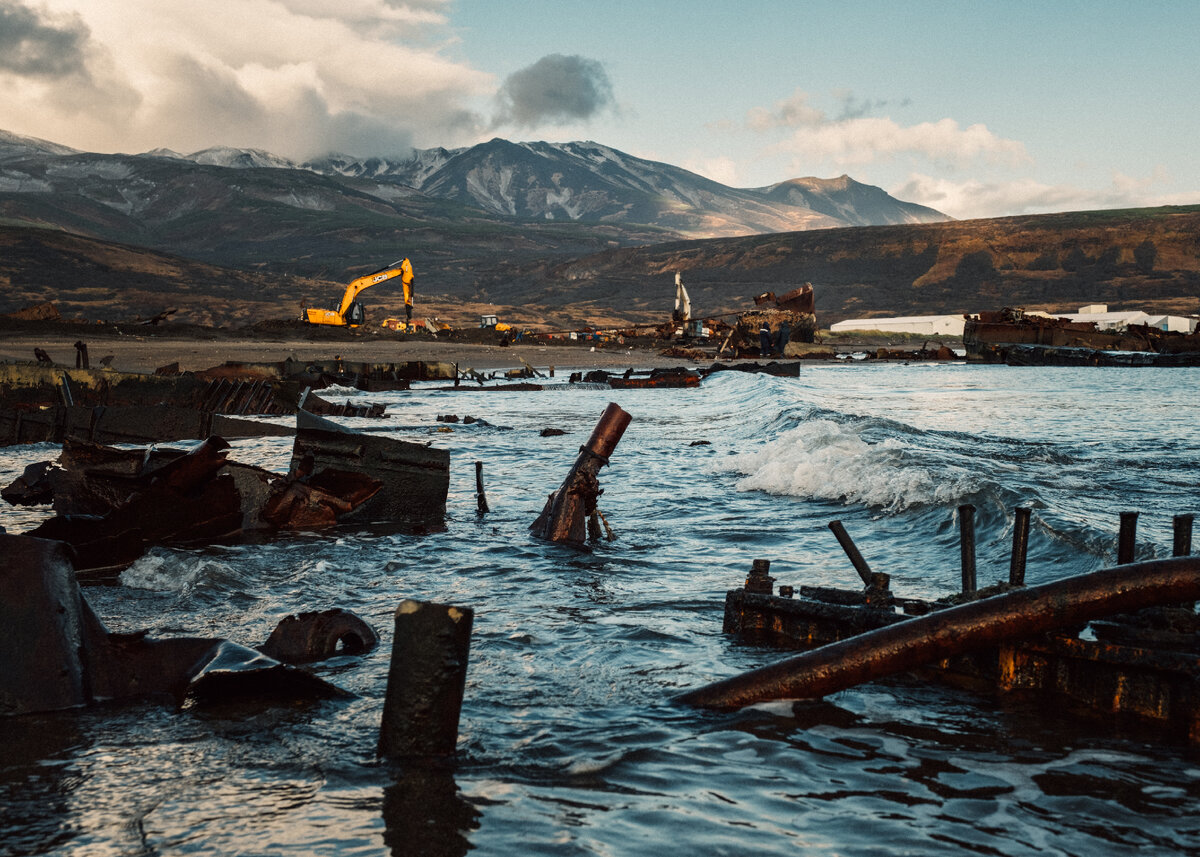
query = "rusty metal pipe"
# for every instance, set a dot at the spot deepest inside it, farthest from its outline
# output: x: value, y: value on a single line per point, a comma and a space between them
x: 1014, y: 615
x: 1127, y: 538
x: 608, y: 431
x: 966, y: 531
x: 1183, y: 535
x: 1016, y: 565
x: 564, y: 517
x: 856, y: 558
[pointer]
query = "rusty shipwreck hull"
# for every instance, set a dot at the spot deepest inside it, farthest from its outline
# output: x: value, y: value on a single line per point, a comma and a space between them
x: 51, y: 404
x: 1011, y: 336
x: 998, y: 641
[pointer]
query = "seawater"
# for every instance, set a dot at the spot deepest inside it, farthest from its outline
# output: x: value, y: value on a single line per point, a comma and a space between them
x: 569, y: 740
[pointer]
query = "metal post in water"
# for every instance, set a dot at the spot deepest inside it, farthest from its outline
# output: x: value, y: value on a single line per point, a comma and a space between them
x: 1126, y: 538
x: 1016, y: 566
x: 480, y: 497
x: 564, y: 517
x: 425, y: 681
x: 1183, y: 535
x: 966, y: 529
x: 856, y: 558
x: 759, y: 580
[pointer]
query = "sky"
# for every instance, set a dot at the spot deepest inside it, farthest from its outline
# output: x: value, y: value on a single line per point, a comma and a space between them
x: 977, y: 109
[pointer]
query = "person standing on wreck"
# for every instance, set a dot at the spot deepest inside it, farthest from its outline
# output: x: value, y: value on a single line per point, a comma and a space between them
x: 764, y: 339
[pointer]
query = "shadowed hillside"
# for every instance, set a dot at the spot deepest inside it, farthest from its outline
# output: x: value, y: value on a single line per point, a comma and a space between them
x: 1132, y: 259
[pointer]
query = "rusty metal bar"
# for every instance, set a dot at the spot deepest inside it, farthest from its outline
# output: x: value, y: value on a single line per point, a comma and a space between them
x: 564, y: 517
x: 856, y: 558
x: 966, y: 530
x: 1016, y: 565
x: 1014, y: 615
x: 1127, y: 538
x: 480, y: 497
x: 426, y: 679
x: 1183, y: 535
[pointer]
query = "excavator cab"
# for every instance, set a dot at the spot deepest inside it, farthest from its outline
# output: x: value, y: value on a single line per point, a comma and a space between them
x: 355, y: 314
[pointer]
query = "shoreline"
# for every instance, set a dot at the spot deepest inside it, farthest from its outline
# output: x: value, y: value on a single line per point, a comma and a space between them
x: 132, y: 353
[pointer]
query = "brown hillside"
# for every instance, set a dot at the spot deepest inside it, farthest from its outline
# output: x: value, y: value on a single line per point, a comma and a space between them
x: 1143, y: 258
x: 1130, y: 259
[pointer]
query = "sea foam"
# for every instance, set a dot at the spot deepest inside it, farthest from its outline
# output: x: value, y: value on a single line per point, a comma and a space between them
x: 826, y: 460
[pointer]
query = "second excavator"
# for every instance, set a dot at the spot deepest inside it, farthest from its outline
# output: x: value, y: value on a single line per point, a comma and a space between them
x: 349, y: 312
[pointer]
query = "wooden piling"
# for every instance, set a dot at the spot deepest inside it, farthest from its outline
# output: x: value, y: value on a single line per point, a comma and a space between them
x: 426, y: 680
x: 1016, y: 566
x: 966, y: 530
x: 480, y: 497
x: 1183, y: 535
x: 1127, y: 538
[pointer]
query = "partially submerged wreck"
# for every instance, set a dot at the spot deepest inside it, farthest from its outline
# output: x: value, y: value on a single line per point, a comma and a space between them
x: 112, y: 504
x: 1140, y: 657
x: 1018, y: 338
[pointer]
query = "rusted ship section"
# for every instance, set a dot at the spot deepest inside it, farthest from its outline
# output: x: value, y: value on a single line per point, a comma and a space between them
x: 789, y: 318
x: 42, y: 402
x: 1120, y: 643
x: 1017, y: 338
x: 112, y: 504
x: 57, y: 654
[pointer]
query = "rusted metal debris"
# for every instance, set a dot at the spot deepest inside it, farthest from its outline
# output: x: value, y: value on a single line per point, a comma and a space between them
x: 56, y: 654
x: 415, y: 478
x: 568, y: 510
x: 316, y: 636
x: 111, y: 505
x: 1143, y: 662
x: 1000, y: 620
x: 1011, y: 336
x: 51, y: 404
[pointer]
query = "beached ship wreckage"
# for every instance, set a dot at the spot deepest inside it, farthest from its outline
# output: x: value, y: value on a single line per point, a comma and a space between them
x: 44, y: 402
x: 1121, y: 642
x: 1023, y: 339
x: 112, y: 504
x: 788, y: 318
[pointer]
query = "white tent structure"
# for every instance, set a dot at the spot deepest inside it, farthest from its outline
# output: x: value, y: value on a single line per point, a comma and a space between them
x: 944, y: 325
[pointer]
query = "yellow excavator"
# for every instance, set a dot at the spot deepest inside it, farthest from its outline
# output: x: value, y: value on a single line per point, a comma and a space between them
x: 350, y: 312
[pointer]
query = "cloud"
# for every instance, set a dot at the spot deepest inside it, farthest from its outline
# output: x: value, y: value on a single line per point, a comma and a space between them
x: 296, y: 77
x: 977, y: 198
x: 40, y: 45
x: 554, y: 90
x: 854, y: 138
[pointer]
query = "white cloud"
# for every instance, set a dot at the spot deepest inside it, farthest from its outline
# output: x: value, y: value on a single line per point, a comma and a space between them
x: 977, y: 198
x: 854, y: 138
x: 719, y: 169
x: 297, y: 77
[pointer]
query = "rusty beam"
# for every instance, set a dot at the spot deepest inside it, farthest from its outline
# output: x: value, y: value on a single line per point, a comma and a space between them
x: 564, y: 518
x: 1015, y: 615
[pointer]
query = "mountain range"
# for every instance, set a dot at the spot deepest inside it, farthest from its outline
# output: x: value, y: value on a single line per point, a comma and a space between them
x: 571, y: 234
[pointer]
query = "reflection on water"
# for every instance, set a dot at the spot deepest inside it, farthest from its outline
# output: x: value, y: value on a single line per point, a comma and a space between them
x: 569, y: 742
x: 426, y: 816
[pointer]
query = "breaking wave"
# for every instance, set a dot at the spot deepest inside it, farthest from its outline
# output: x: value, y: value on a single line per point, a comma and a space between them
x: 828, y: 460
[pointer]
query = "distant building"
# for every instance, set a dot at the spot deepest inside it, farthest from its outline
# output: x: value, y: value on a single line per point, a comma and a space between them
x: 1099, y: 315
x: 944, y: 325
